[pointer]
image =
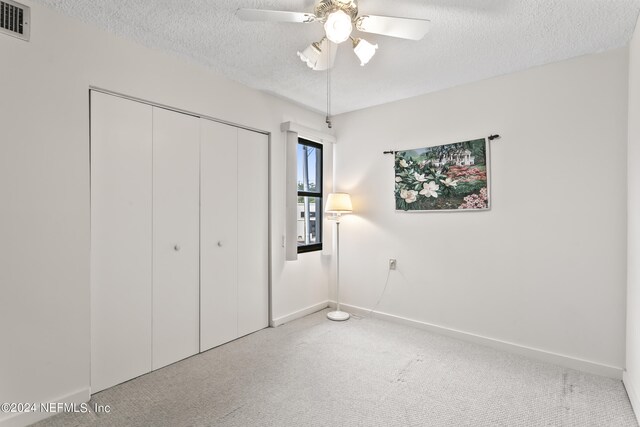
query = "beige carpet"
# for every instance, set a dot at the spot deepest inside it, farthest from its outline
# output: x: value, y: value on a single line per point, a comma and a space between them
x: 369, y: 372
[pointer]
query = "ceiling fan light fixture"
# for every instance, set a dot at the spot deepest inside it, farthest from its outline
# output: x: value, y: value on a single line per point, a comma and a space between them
x: 318, y: 56
x: 338, y: 26
x: 311, y: 55
x: 364, y: 50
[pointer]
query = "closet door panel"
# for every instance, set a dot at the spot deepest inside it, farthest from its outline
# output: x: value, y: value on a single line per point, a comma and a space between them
x: 253, y: 231
x: 176, y: 161
x: 121, y: 236
x: 218, y: 241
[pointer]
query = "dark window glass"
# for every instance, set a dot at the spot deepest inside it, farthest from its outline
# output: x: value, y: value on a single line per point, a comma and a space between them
x: 309, y: 196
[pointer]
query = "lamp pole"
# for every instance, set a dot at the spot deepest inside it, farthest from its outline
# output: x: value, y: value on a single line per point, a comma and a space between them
x: 338, y: 262
x: 338, y: 315
x: 337, y: 204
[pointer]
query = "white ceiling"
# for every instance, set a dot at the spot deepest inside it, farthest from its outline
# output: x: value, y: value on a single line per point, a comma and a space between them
x: 469, y: 40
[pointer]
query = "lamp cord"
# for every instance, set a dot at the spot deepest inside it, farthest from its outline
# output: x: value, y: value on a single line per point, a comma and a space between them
x: 384, y: 290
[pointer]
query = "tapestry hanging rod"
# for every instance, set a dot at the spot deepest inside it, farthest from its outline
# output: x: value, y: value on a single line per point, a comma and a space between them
x: 490, y: 138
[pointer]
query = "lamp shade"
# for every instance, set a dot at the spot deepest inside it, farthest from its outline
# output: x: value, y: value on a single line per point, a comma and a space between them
x: 311, y: 55
x: 319, y: 55
x: 338, y: 203
x: 338, y: 26
x: 364, y: 50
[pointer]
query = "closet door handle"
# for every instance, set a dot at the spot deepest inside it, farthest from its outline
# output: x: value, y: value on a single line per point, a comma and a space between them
x: 176, y: 248
x: 219, y: 244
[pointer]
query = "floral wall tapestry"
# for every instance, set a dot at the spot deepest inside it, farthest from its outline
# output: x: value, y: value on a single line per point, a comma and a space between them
x: 450, y: 177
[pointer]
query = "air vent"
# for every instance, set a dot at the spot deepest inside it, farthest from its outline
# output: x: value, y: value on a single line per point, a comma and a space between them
x: 14, y: 19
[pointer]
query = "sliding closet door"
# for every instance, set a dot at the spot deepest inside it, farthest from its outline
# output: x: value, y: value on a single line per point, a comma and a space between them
x: 121, y: 235
x: 176, y: 161
x: 253, y: 231
x: 219, y: 244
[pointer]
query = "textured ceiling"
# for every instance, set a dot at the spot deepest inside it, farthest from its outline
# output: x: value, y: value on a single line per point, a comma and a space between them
x: 469, y: 40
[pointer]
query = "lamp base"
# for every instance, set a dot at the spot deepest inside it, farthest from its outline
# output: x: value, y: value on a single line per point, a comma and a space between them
x: 338, y: 316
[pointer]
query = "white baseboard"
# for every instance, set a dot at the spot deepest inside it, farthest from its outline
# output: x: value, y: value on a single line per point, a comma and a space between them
x: 632, y: 392
x: 300, y: 313
x: 27, y: 418
x: 533, y: 353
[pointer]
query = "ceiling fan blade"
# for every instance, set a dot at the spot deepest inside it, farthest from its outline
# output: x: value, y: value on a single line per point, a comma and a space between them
x: 275, y: 16
x: 404, y: 28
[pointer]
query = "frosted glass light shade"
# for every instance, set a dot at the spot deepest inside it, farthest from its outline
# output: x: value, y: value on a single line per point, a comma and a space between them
x: 338, y: 203
x: 311, y: 55
x: 319, y: 56
x: 338, y: 26
x: 364, y: 50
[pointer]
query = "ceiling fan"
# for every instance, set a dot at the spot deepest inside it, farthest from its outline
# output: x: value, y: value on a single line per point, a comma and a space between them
x: 339, y: 18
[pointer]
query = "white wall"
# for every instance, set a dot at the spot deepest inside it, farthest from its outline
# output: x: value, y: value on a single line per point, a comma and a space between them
x: 632, y: 374
x: 44, y: 189
x: 546, y: 267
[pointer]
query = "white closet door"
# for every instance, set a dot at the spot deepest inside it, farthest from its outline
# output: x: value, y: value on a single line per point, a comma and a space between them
x: 176, y: 161
x: 121, y: 236
x: 218, y: 242
x: 253, y: 231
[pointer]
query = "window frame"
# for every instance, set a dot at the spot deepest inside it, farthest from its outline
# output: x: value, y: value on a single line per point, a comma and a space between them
x: 314, y: 247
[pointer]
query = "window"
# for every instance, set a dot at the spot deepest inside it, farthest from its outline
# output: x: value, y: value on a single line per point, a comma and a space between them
x: 309, y: 196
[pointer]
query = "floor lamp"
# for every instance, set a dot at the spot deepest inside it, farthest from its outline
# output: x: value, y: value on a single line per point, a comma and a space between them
x: 338, y: 204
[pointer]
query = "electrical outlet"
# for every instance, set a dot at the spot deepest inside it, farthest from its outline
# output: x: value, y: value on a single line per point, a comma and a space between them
x: 392, y: 264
